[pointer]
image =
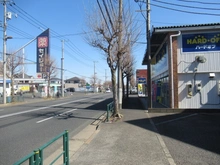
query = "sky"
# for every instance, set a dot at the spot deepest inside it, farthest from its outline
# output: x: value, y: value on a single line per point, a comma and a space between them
x: 67, y: 21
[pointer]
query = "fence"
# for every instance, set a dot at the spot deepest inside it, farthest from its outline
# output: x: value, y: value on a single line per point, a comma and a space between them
x: 110, y: 110
x: 37, y: 156
x: 17, y: 98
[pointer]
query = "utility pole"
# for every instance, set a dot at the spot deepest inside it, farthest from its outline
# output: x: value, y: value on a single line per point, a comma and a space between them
x: 94, y: 75
x: 105, y: 78
x: 4, y: 51
x: 149, y: 86
x: 148, y: 56
x: 62, y: 60
x: 119, y: 56
x: 23, y: 63
x: 6, y: 15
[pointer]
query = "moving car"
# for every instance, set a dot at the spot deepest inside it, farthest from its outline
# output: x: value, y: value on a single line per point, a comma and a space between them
x: 107, y: 90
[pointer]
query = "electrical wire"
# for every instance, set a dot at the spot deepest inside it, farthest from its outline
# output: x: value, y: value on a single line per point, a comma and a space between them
x: 19, y: 32
x: 39, y: 24
x: 184, y: 11
x: 28, y: 18
x: 206, y: 3
x: 187, y: 6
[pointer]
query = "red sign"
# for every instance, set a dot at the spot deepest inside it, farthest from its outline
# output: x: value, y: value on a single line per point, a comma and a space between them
x: 42, y: 42
x: 39, y: 75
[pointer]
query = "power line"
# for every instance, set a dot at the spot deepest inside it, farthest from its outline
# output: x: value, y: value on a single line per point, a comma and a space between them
x: 19, y: 32
x: 37, y: 24
x: 207, y: 3
x: 28, y: 18
x: 187, y: 6
x: 184, y: 11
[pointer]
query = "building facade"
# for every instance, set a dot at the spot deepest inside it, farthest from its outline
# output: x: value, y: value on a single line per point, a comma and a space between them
x: 141, y: 81
x: 185, y: 66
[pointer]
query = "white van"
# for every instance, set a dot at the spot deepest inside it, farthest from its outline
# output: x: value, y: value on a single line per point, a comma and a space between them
x: 8, y: 87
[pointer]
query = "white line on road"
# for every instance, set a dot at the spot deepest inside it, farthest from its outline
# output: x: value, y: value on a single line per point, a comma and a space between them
x: 40, y: 121
x: 37, y: 109
x: 44, y: 120
x: 168, y: 121
x: 68, y: 111
x: 162, y: 143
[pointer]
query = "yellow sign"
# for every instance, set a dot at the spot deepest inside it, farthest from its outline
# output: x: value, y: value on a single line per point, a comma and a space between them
x: 24, y: 88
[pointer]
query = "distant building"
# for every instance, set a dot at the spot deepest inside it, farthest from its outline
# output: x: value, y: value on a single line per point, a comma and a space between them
x: 23, y: 78
x: 73, y: 82
x: 55, y: 81
x: 141, y: 73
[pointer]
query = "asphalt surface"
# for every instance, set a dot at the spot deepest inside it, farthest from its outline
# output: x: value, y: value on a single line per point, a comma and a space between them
x: 142, y: 138
x: 28, y: 125
x: 192, y: 138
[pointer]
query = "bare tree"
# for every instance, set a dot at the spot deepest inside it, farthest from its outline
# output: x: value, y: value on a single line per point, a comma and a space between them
x: 107, y: 84
x: 13, y: 66
x: 99, y: 83
x: 132, y: 81
x: 82, y: 82
x: 127, y: 71
x: 93, y: 80
x: 50, y: 72
x: 104, y: 23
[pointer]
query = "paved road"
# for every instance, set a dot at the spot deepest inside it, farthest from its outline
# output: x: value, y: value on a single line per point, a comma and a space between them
x: 26, y: 127
x: 191, y: 138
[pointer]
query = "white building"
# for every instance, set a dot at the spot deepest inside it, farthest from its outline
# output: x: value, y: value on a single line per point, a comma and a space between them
x: 186, y: 66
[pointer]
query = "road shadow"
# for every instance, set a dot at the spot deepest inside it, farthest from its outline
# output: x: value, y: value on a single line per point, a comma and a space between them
x: 201, y: 130
x: 132, y: 103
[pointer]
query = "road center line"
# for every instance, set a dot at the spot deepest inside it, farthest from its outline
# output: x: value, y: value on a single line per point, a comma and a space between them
x: 37, y: 109
x: 40, y: 121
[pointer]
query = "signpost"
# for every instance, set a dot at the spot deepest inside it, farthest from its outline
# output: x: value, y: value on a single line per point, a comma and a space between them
x: 142, y: 87
x: 87, y: 86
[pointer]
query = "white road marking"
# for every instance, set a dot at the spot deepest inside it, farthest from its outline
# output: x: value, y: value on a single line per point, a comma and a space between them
x: 162, y: 143
x: 37, y: 109
x: 168, y: 121
x: 68, y: 111
x: 44, y: 120
x: 40, y: 121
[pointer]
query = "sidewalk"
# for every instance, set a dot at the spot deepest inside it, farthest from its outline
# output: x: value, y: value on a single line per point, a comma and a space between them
x: 133, y: 140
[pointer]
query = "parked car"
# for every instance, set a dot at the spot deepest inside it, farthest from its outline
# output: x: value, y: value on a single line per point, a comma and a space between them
x: 133, y: 90
x: 69, y: 90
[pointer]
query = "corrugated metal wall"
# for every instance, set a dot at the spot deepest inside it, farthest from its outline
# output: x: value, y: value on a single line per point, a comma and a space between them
x: 207, y: 97
x: 192, y: 72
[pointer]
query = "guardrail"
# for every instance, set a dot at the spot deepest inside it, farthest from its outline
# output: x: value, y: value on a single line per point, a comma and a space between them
x: 110, y: 110
x: 37, y: 156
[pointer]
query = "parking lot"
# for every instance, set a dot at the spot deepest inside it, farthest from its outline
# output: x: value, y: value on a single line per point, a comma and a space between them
x: 191, y: 138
